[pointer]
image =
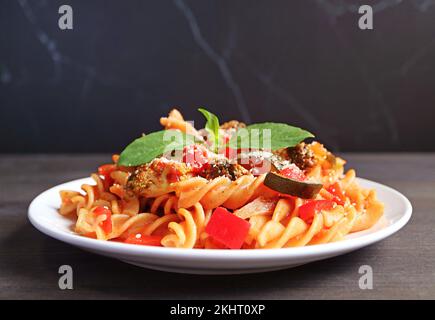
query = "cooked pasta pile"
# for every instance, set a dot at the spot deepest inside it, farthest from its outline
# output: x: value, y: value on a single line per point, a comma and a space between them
x: 207, y: 200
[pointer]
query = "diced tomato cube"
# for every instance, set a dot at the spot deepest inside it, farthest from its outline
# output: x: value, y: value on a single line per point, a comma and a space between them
x: 339, y: 197
x: 293, y: 172
x: 173, y: 175
x: 227, y: 228
x: 106, y: 225
x: 105, y: 170
x: 306, y: 211
x: 196, y: 156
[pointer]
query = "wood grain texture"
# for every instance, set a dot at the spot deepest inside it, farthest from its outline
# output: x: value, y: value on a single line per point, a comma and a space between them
x: 403, y: 265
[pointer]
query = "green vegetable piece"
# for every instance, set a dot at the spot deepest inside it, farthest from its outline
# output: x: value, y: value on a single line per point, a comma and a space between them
x: 284, y: 185
x: 153, y: 145
x: 212, y: 126
x: 268, y: 135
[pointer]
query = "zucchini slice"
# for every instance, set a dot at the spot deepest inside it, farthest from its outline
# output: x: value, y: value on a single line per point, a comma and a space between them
x: 284, y: 185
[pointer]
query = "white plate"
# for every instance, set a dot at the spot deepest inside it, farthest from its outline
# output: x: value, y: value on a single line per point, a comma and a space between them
x: 44, y: 216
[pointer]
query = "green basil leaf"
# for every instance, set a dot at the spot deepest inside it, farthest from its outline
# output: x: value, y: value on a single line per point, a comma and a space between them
x: 153, y: 145
x: 268, y: 135
x: 212, y: 126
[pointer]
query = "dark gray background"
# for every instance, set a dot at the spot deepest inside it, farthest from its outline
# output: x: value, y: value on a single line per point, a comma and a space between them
x: 305, y: 62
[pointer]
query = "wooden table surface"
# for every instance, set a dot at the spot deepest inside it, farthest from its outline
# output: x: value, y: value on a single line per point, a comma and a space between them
x: 403, y: 265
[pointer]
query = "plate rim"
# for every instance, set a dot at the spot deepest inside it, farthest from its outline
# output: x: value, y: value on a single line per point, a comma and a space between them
x: 119, y: 248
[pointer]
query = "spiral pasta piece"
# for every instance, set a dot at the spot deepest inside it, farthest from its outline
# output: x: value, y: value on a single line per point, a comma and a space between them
x: 217, y: 192
x: 327, y: 226
x: 183, y: 234
x: 168, y: 203
x: 176, y: 121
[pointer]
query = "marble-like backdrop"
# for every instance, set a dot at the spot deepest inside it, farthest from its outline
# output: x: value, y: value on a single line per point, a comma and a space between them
x: 305, y: 62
